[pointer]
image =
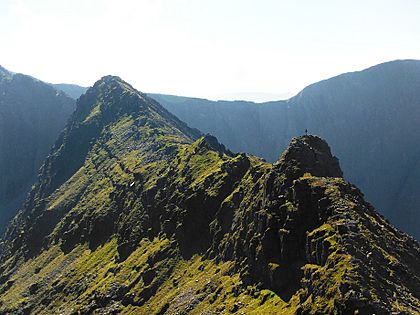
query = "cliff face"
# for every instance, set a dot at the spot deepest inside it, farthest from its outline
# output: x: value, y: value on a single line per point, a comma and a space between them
x: 32, y: 114
x: 134, y: 212
x: 371, y: 118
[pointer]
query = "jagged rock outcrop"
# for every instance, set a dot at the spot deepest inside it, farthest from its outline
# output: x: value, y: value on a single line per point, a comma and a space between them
x: 134, y: 212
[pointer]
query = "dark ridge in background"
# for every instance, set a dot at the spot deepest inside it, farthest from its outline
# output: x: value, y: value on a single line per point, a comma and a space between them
x: 32, y: 114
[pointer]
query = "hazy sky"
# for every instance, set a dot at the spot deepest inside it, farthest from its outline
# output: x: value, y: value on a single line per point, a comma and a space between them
x: 205, y: 48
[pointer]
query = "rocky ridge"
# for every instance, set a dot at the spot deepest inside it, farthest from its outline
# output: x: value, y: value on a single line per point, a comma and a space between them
x: 371, y: 118
x: 134, y: 212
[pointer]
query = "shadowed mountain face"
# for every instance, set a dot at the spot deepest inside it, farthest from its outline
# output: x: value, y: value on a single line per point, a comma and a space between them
x: 136, y: 213
x: 32, y: 114
x: 371, y: 118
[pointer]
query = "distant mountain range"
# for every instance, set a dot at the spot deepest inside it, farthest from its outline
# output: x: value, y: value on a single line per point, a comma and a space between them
x: 71, y: 90
x: 32, y: 114
x: 371, y: 118
x: 134, y: 212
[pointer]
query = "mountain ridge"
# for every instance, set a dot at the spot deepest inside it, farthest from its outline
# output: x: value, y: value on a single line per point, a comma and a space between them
x: 86, y: 125
x: 72, y: 90
x: 393, y: 187
x: 372, y: 113
x: 155, y: 218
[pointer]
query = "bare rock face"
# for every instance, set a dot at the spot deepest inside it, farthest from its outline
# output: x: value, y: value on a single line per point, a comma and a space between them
x: 310, y: 154
x: 136, y: 212
x: 274, y: 232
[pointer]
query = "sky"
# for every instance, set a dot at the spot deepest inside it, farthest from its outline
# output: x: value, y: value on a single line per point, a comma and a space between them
x: 217, y: 49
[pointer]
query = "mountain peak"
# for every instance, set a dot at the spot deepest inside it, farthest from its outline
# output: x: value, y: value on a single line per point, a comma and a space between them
x: 310, y: 154
x: 108, y: 99
x: 110, y: 79
x: 113, y: 81
x: 4, y: 72
x: 210, y: 142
